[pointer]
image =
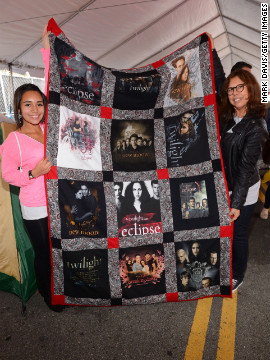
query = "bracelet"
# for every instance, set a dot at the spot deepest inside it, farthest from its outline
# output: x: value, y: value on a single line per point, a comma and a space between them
x: 30, y: 174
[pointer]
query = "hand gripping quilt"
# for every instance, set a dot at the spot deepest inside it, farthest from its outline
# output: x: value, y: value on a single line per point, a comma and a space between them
x: 137, y: 198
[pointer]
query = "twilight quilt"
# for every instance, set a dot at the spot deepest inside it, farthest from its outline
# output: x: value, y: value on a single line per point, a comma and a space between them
x: 138, y: 206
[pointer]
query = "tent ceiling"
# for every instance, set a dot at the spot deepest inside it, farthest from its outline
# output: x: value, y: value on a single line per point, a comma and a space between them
x: 129, y: 33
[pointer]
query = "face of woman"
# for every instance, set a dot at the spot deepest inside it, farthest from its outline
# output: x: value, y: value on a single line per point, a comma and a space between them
x: 79, y: 194
x: 137, y: 191
x: 239, y: 100
x: 184, y: 128
x: 184, y: 76
x: 32, y: 107
x: 195, y: 249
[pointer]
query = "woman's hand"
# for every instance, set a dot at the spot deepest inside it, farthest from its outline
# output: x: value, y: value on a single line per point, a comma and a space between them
x: 211, y: 39
x: 234, y: 213
x: 42, y: 167
x: 45, y: 37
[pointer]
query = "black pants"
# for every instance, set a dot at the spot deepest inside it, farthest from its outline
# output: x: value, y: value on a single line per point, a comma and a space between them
x: 240, y: 242
x: 267, y: 198
x: 39, y: 236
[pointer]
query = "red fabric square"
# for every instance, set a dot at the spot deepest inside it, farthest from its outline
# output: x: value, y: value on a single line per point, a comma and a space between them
x: 52, y: 174
x: 58, y: 299
x: 163, y: 174
x: 105, y: 112
x: 209, y: 100
x: 158, y: 64
x: 172, y: 297
x: 53, y: 27
x: 113, y: 243
x: 226, y: 231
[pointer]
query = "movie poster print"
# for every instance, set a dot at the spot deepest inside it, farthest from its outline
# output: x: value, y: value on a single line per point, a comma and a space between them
x: 81, y: 78
x: 186, y: 138
x: 79, y: 141
x: 136, y: 91
x: 142, y: 271
x: 138, y: 208
x: 82, y: 209
x: 194, y: 200
x: 132, y: 145
x: 86, y: 274
x: 197, y: 264
x: 186, y: 81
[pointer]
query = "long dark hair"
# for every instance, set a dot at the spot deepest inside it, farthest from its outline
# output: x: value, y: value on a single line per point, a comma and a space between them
x: 129, y: 192
x: 17, y: 101
x: 254, y: 105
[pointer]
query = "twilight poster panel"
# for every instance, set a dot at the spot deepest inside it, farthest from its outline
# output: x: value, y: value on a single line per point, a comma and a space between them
x: 197, y: 264
x: 142, y: 271
x: 186, y: 139
x: 82, y: 209
x: 186, y: 81
x: 194, y: 203
x: 79, y: 141
x: 86, y: 274
x: 138, y: 208
x: 132, y: 145
x: 136, y: 91
x: 81, y: 78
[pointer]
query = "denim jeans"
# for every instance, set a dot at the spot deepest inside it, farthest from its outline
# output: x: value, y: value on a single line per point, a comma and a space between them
x: 240, y: 242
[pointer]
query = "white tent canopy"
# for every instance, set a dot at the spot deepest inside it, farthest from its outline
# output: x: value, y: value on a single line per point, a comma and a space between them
x: 130, y: 33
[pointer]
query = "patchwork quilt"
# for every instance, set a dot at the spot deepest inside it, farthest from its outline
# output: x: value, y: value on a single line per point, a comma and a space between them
x: 137, y: 199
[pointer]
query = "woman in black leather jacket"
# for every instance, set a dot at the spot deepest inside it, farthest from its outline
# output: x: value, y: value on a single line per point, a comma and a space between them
x: 243, y: 134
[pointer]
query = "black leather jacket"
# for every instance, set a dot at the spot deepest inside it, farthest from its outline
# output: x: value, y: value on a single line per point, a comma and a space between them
x: 241, y: 150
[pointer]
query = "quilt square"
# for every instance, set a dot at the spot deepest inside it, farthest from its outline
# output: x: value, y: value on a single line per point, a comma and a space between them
x: 81, y: 78
x: 194, y: 202
x: 186, y: 138
x: 138, y: 208
x: 82, y: 209
x: 86, y: 274
x: 132, y: 145
x: 142, y: 271
x: 197, y: 264
x: 79, y: 137
x: 136, y: 91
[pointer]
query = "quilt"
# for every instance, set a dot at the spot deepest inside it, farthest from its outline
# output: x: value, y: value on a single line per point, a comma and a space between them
x: 137, y: 199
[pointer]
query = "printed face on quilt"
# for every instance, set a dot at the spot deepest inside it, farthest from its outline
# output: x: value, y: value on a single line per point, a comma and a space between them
x: 143, y: 267
x: 186, y: 139
x: 185, y: 78
x: 136, y: 91
x: 138, y: 208
x: 79, y: 141
x: 81, y: 78
x: 82, y: 209
x: 194, y: 266
x: 132, y: 145
x: 86, y: 273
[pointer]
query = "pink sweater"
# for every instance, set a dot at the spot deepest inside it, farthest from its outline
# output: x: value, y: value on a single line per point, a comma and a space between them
x: 32, y: 192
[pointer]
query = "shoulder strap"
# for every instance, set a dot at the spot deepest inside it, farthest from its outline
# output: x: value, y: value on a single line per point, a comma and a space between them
x: 20, y: 167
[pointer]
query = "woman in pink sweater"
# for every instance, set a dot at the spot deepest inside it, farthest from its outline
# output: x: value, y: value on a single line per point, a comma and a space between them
x: 23, y: 165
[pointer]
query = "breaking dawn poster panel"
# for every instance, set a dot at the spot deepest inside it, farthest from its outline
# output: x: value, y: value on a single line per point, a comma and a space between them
x: 132, y: 145
x: 138, y: 208
x: 82, y: 209
x: 142, y: 271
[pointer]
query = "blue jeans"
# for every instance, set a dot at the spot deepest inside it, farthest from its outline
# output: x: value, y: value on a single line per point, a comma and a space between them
x: 240, y: 242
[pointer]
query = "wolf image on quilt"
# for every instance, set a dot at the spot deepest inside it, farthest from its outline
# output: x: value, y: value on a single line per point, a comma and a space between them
x: 137, y: 199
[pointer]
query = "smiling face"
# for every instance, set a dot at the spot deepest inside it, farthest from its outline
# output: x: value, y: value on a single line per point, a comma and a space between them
x: 239, y: 100
x: 31, y: 108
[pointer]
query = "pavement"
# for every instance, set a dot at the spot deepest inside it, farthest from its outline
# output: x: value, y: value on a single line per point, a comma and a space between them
x: 207, y: 329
